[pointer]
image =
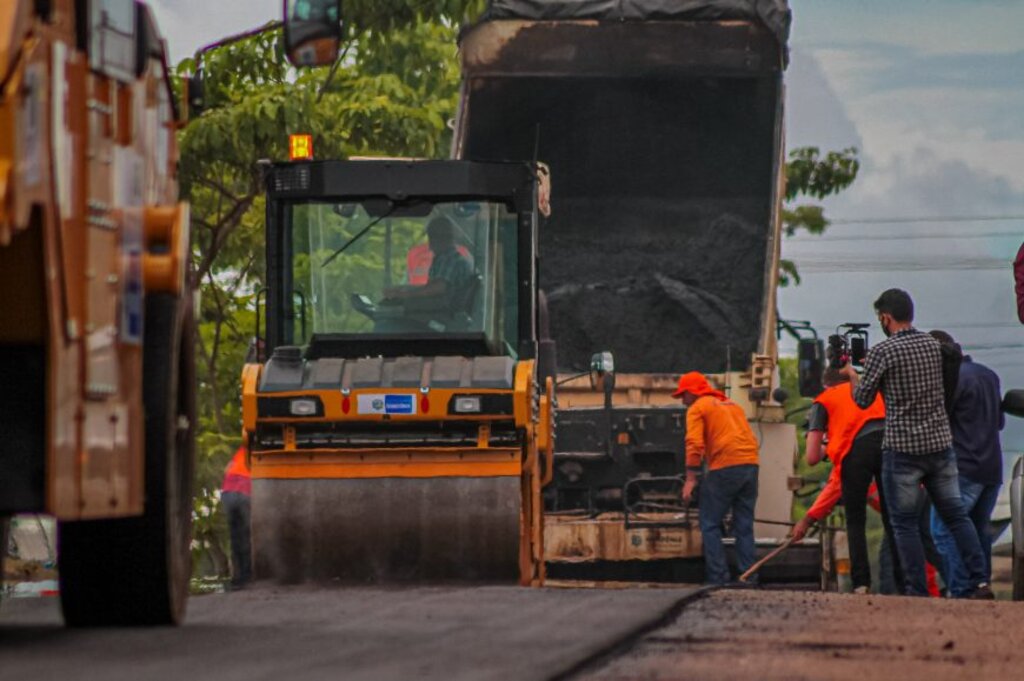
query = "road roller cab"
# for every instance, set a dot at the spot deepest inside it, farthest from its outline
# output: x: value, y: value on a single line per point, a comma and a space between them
x: 398, y: 427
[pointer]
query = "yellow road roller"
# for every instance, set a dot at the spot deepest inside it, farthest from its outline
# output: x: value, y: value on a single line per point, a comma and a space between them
x: 400, y: 424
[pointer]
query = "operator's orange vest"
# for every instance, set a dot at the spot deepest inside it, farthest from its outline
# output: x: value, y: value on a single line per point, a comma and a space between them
x: 419, y: 259
x: 845, y: 418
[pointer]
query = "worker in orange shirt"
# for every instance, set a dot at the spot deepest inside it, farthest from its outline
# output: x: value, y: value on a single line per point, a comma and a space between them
x: 854, y: 445
x: 235, y: 497
x: 717, y: 433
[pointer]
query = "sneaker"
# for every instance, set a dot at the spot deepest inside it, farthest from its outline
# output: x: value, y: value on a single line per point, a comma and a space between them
x: 982, y: 593
x: 862, y: 590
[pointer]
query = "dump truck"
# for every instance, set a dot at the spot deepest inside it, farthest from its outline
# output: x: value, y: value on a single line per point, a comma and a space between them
x: 398, y: 427
x: 96, y: 314
x: 97, y: 410
x: 662, y: 123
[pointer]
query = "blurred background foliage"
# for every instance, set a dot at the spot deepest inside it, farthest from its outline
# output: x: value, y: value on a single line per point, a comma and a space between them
x: 391, y: 92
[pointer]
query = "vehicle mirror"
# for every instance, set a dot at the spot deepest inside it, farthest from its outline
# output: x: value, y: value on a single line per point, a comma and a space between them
x: 1013, y: 403
x: 376, y: 208
x: 810, y: 366
x: 602, y: 368
x: 547, y: 359
x: 413, y: 208
x: 544, y: 189
x: 312, y: 31
x: 345, y: 210
x: 195, y: 94
x: 405, y: 208
x: 465, y: 210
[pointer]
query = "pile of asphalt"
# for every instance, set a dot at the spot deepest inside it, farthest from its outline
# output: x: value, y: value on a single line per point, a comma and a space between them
x: 666, y: 286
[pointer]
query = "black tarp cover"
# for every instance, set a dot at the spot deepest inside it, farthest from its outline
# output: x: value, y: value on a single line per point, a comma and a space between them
x: 774, y: 14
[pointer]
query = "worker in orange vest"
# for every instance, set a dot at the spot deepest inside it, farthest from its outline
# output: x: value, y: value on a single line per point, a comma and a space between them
x: 854, y: 446
x: 235, y: 497
x: 717, y: 432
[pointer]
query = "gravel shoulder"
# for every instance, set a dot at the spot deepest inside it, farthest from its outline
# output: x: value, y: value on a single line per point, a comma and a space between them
x: 781, y: 635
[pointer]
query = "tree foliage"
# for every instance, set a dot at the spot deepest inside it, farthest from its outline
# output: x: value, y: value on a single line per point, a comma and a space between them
x: 809, y: 174
x: 391, y: 93
x: 386, y: 15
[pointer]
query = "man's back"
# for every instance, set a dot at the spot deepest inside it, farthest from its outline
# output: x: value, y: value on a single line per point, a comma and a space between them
x: 977, y: 420
x: 843, y: 418
x: 718, y: 430
x: 907, y: 369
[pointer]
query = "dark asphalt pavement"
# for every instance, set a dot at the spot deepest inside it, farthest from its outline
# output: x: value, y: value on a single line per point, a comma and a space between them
x: 305, y: 633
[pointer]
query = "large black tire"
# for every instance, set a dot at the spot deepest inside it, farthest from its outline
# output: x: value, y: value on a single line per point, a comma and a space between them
x: 136, y: 571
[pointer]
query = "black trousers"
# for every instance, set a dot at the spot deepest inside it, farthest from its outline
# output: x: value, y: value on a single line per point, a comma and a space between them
x: 237, y: 507
x: 860, y: 466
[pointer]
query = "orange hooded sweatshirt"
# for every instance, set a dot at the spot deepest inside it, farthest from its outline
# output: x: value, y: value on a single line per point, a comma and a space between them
x: 716, y: 427
x: 237, y: 477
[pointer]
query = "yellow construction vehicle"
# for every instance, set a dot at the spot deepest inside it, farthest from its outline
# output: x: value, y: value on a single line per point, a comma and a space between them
x: 95, y: 315
x: 96, y: 342
x: 398, y: 426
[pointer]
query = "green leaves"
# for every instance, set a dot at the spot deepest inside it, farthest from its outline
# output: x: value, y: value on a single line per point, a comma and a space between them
x: 388, y: 15
x: 393, y: 90
x: 788, y: 273
x: 811, y: 218
x: 808, y: 174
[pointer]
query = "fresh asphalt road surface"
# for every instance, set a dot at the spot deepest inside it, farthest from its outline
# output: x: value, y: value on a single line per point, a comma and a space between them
x: 306, y: 633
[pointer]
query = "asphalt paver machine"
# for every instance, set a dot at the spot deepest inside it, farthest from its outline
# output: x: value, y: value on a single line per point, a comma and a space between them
x: 662, y: 123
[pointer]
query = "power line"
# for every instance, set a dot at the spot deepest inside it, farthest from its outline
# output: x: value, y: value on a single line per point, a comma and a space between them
x: 844, y: 266
x: 970, y: 325
x: 828, y: 330
x: 825, y: 329
x: 914, y: 220
x: 810, y: 238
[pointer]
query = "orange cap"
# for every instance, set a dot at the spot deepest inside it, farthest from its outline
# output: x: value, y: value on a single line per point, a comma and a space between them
x: 695, y: 382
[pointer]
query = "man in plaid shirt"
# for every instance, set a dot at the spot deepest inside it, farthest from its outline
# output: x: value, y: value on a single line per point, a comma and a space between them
x: 917, y: 448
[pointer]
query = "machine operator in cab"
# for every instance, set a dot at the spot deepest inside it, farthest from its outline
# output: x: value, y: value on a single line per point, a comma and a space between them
x: 717, y: 432
x: 451, y: 271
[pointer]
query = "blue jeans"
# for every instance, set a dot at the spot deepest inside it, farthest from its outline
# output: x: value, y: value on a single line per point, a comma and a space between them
x: 902, y: 478
x: 979, y: 500
x: 733, y: 488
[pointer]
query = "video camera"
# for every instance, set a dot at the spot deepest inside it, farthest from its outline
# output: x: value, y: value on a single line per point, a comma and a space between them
x: 848, y: 344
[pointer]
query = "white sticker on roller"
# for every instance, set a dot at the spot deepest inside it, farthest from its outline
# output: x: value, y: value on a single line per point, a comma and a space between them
x: 60, y: 139
x: 387, y: 404
x: 132, y: 292
x: 32, y: 118
x: 129, y: 174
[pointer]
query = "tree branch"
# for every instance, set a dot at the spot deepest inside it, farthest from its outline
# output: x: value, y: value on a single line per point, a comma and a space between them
x: 225, y: 227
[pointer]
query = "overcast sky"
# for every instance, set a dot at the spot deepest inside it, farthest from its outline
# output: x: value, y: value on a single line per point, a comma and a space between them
x: 932, y: 93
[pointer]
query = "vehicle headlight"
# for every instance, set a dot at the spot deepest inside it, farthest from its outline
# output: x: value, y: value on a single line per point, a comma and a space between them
x: 302, y: 407
x: 467, y: 405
